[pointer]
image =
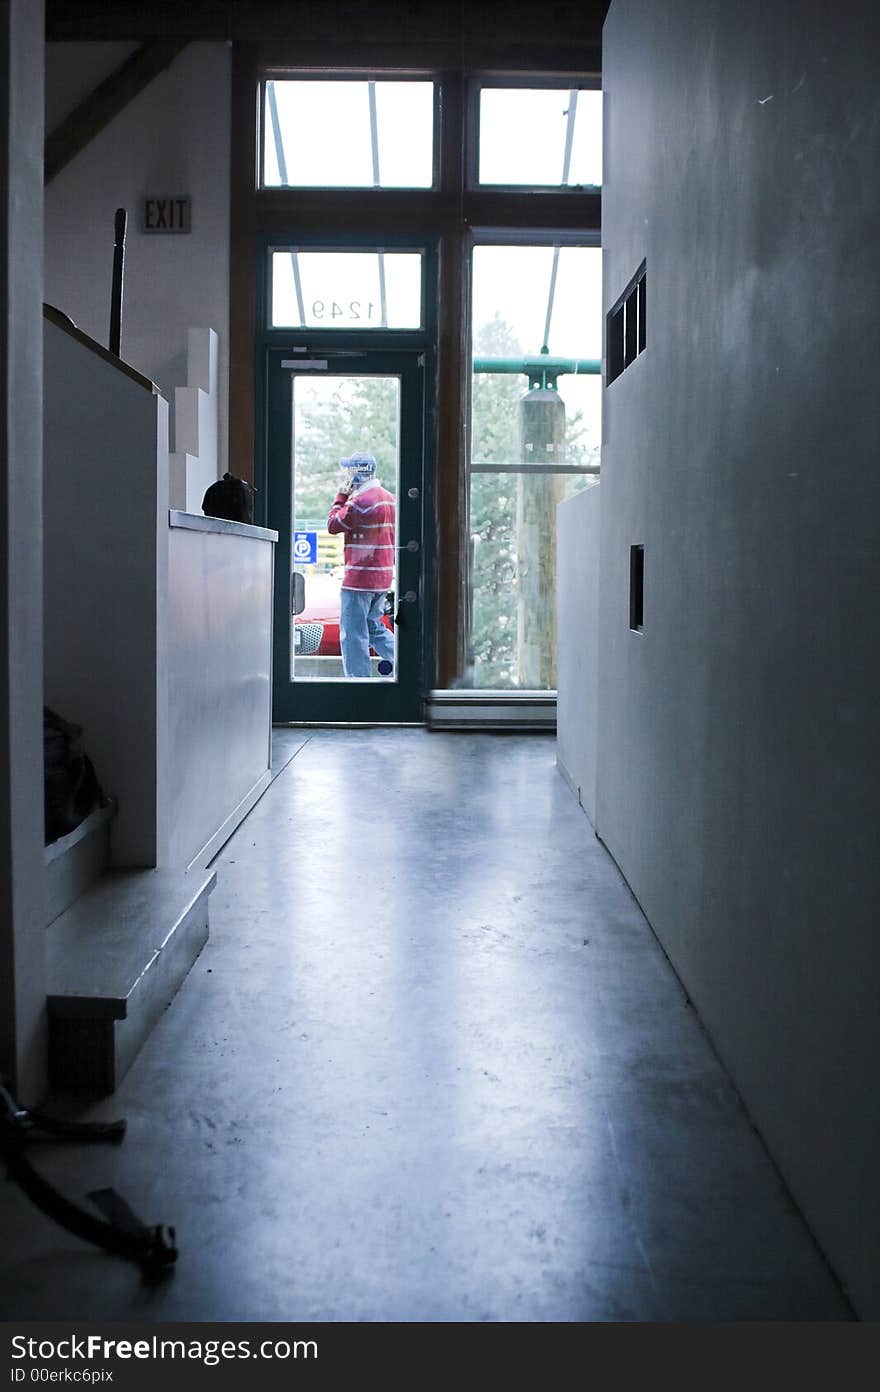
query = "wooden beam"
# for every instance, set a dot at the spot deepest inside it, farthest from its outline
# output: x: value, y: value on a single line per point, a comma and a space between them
x: 137, y: 20
x: 532, y: 210
x: 361, y: 212
x: 372, y: 212
x: 579, y: 58
x: 452, y: 619
x: 108, y: 99
x: 517, y: 31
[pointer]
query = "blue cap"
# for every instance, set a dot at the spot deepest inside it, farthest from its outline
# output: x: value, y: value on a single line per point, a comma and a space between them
x: 360, y: 463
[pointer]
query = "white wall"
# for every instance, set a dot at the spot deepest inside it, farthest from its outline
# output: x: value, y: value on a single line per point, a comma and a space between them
x: 105, y: 569
x: 172, y: 139
x: 738, y: 734
x: 158, y: 638
x: 219, y: 682
x: 577, y: 610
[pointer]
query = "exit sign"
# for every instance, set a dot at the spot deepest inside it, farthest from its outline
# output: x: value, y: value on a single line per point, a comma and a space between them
x: 166, y: 215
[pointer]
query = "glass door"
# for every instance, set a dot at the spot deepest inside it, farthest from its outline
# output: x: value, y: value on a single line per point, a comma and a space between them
x: 345, y: 493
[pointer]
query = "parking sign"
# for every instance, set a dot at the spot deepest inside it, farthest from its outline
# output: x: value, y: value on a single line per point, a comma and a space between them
x: 305, y: 548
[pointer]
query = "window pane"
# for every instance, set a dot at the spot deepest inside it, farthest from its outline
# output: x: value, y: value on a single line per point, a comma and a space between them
x: 524, y: 136
x: 346, y: 289
x: 338, y: 635
x: 512, y: 284
x: 321, y: 134
x: 514, y: 429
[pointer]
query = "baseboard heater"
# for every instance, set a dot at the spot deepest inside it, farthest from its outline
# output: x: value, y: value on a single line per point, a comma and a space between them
x: 491, y: 710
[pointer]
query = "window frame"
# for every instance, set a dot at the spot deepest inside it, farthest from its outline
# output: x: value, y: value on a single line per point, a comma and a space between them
x: 505, y: 237
x: 441, y: 219
x: 351, y: 75
x: 561, y: 82
x: 414, y: 333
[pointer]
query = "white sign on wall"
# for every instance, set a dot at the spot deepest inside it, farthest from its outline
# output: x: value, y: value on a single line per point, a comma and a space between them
x: 166, y: 214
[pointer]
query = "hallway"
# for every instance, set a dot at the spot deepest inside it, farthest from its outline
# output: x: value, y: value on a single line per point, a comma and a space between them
x: 431, y: 1065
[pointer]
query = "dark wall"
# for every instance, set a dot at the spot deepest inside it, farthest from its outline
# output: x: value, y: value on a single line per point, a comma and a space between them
x: 737, y: 777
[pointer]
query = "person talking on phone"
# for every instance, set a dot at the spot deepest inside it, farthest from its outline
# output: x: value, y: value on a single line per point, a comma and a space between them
x: 364, y: 512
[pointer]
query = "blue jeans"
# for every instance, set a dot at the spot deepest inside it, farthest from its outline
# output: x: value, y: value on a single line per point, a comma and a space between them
x: 360, y: 628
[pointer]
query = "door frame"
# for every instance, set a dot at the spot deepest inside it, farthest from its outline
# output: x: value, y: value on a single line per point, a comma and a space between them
x: 411, y: 344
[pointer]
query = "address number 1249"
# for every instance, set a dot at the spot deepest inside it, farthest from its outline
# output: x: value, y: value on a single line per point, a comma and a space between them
x: 329, y: 309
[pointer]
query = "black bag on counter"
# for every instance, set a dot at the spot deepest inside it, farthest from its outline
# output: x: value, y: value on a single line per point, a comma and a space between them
x: 71, y: 785
x: 229, y: 497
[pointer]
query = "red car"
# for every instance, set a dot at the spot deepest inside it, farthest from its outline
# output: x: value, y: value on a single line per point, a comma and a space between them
x: 316, y: 629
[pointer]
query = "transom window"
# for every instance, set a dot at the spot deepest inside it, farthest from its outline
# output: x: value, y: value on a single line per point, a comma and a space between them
x: 374, y: 289
x: 347, y: 134
x: 540, y: 136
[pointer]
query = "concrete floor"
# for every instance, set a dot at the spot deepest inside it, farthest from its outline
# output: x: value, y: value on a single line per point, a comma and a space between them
x: 431, y: 1065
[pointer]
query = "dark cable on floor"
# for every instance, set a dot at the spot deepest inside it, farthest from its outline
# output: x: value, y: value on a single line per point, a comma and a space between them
x: 152, y: 1247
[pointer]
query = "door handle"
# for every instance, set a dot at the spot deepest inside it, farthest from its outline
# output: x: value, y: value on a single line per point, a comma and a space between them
x: 409, y: 598
x: 297, y: 592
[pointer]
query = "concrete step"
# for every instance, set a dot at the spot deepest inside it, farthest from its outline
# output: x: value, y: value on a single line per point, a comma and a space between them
x: 115, y: 959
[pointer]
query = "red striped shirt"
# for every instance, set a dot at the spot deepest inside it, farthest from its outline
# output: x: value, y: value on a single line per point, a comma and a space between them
x: 366, y: 520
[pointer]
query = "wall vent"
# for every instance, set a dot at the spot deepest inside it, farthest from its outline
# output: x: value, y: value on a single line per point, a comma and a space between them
x: 626, y: 327
x: 637, y: 588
